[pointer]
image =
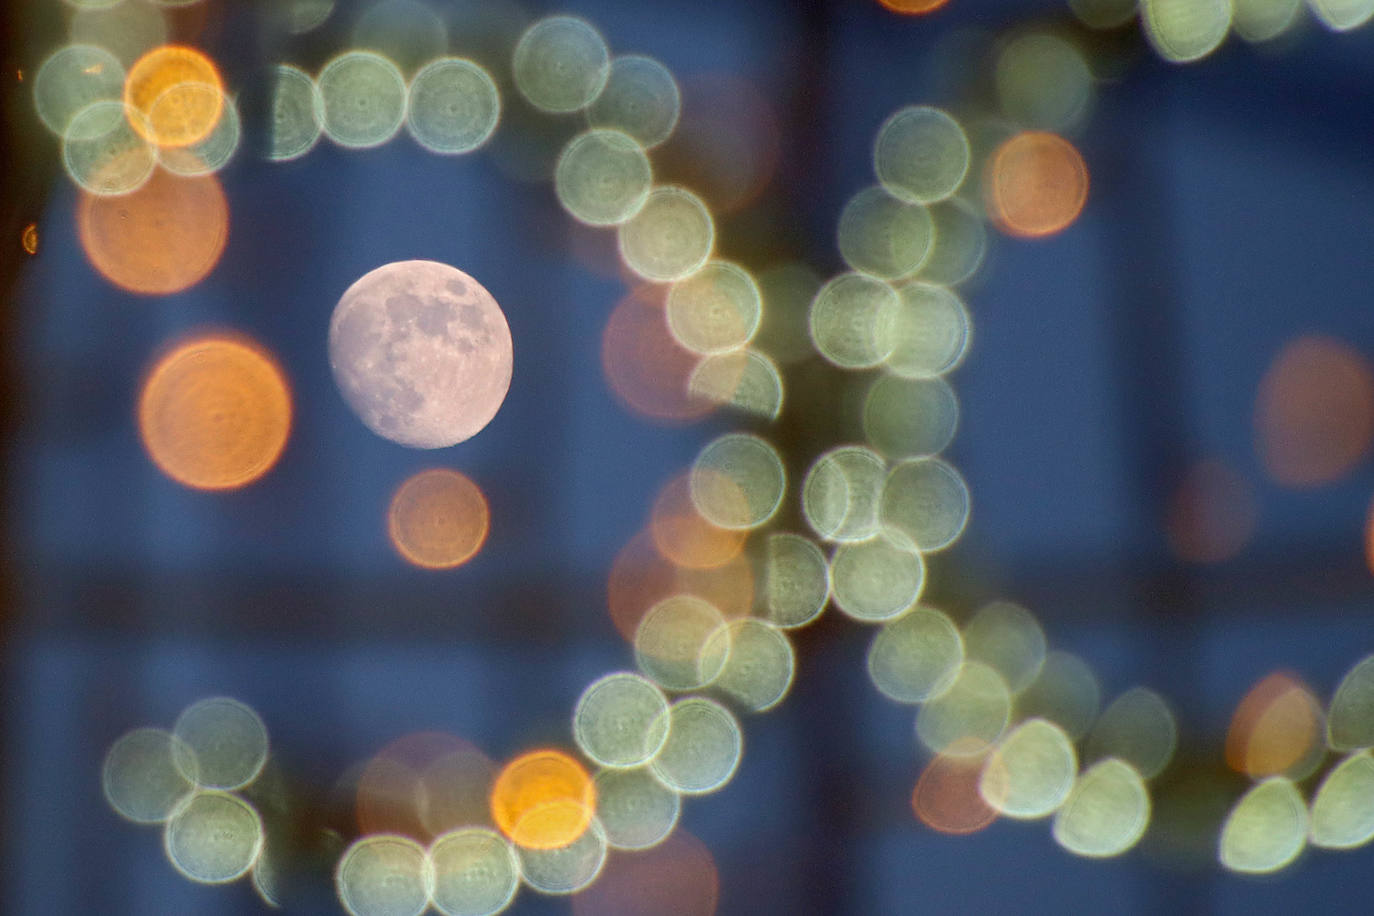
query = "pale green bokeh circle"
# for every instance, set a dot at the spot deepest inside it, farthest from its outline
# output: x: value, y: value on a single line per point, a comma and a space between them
x: 1007, y: 637
x: 875, y: 580
x: 669, y: 238
x: 640, y: 98
x: 300, y: 16
x: 213, y: 837
x: 1265, y: 20
x: 715, y: 310
x: 968, y: 717
x: 961, y: 243
x: 619, y: 720
x: 788, y: 290
x: 916, y: 656
x: 211, y: 153
x: 674, y: 643
x: 1103, y: 14
x: 603, y: 177
x: 1265, y: 830
x: 406, y: 32
x: 561, y: 64
x: 71, y: 78
x: 925, y: 504
x: 1031, y: 772
x: 851, y: 320
x: 1342, y: 15
x: 476, y: 872
x: 1065, y: 692
x: 703, y: 749
x: 743, y: 379
x: 1350, y: 719
x: 635, y: 809
x: 141, y: 780
x: 758, y: 671
x: 364, y: 97
x: 930, y: 332
x: 884, y: 236
x: 103, y: 153
x: 737, y: 481
x: 1183, y: 31
x: 921, y: 154
x: 1139, y: 728
x: 227, y: 740
x: 1044, y: 82
x: 910, y: 417
x: 453, y: 106
x: 842, y: 492
x: 1106, y: 813
x: 794, y: 584
x: 297, y: 114
x: 567, y: 869
x: 384, y: 875
x: 1342, y: 812
x: 125, y: 29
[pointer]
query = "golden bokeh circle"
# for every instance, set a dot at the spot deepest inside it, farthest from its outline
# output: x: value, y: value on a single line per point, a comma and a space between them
x: 167, y: 86
x: 543, y: 799
x: 1036, y: 185
x: 438, y: 519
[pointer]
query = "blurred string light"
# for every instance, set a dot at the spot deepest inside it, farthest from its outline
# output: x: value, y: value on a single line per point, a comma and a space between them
x: 438, y: 519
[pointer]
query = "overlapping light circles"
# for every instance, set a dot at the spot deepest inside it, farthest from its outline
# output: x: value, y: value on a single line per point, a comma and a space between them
x: 670, y: 237
x: 1007, y: 637
x: 1031, y: 771
x: 794, y: 581
x: 635, y: 809
x: 1342, y: 811
x: 423, y: 784
x: 915, y: 657
x: 162, y: 237
x: 930, y: 332
x: 621, y: 720
x: 921, y: 154
x: 715, y: 310
x: 1342, y: 15
x: 1183, y: 31
x: 647, y: 370
x: 213, y: 837
x: 602, y: 177
x: 743, y: 379
x: 297, y: 114
x: 543, y: 800
x: 364, y: 99
x: 961, y: 243
x: 179, y: 94
x: 759, y: 667
x: 676, y: 643
x: 438, y: 519
x: 104, y: 153
x: 925, y: 504
x: 1266, y: 829
x: 641, y: 577
x: 703, y: 749
x: 1350, y: 720
x: 1137, y: 727
x: 841, y: 493
x: 143, y: 775
x: 1278, y: 729
x: 1065, y: 692
x: 212, y: 152
x: 1036, y: 183
x: 852, y: 319
x: 969, y: 716
x: 683, y: 536
x: 1264, y: 20
x: 384, y: 875
x: 1043, y: 82
x: 126, y: 30
x: 910, y: 418
x: 640, y: 98
x: 452, y: 106
x: 476, y: 873
x: 565, y: 869
x: 1104, y: 14
x: 70, y: 79
x: 214, y: 413
x: 221, y: 743
x: 1106, y: 813
x: 561, y: 64
x: 678, y: 877
x: 884, y: 236
x: 738, y: 481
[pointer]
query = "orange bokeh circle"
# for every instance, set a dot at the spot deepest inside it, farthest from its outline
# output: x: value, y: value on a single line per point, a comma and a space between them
x: 1036, y: 184
x: 543, y: 800
x: 167, y: 86
x: 438, y: 519
x: 214, y: 413
x: 913, y: 7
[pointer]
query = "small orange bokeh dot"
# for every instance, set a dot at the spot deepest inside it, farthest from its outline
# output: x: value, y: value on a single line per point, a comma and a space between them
x: 214, y: 413
x: 178, y: 92
x: 438, y: 519
x: 682, y: 536
x: 163, y: 238
x: 543, y: 800
x: 1036, y: 184
x: 913, y: 7
x: 29, y: 238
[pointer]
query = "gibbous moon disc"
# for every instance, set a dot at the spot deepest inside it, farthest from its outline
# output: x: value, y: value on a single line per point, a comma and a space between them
x: 421, y: 352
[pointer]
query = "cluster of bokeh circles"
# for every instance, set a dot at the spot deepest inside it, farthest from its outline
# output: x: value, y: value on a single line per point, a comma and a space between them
x: 708, y: 592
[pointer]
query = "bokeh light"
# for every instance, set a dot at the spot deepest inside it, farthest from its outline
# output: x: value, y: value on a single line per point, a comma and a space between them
x: 1007, y: 637
x: 213, y: 837
x: 737, y: 481
x: 452, y: 107
x: 1183, y: 31
x: 407, y: 32
x: 921, y: 154
x: 759, y: 667
x: 676, y: 877
x: 669, y: 238
x: 226, y: 740
x: 636, y: 810
x: 1342, y: 812
x: 640, y: 98
x: 164, y: 237
x: 969, y: 716
x: 603, y: 177
x: 913, y: 7
x: 930, y: 332
x: 787, y: 290
x: 743, y: 379
x: 1106, y: 813
x: 621, y: 720
x: 214, y: 413
x: 1266, y: 829
x: 28, y: 239
x: 301, y: 16
x: 1342, y: 15
x: 213, y: 152
x: 946, y: 797
x: 1036, y: 184
x: 1264, y: 20
x: 384, y: 875
x: 1137, y: 727
x: 178, y: 91
x: 925, y: 504
x: 297, y: 114
x: 646, y: 368
x: 438, y: 519
x: 851, y: 320
x: 1314, y: 412
x: 1104, y: 14
x: 1278, y: 729
x: 561, y: 64
x: 72, y: 78
x: 715, y: 310
x: 103, y: 153
x: 1043, y: 82
x: 565, y: 869
x: 1350, y: 718
x: 875, y: 580
x: 1212, y: 513
x: 1030, y: 773
x: 143, y: 775
x: 126, y: 29
x: 422, y: 784
x: 916, y: 656
x: 363, y: 97
x: 683, y: 536
x: 703, y: 749
x: 841, y: 493
x: 641, y: 577
x: 543, y: 799
x: 884, y: 236
x: 909, y: 418
x: 677, y: 644
x: 794, y: 580
x: 476, y: 873
x: 1065, y: 692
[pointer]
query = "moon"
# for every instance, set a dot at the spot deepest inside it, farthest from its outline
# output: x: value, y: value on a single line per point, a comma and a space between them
x: 421, y: 352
